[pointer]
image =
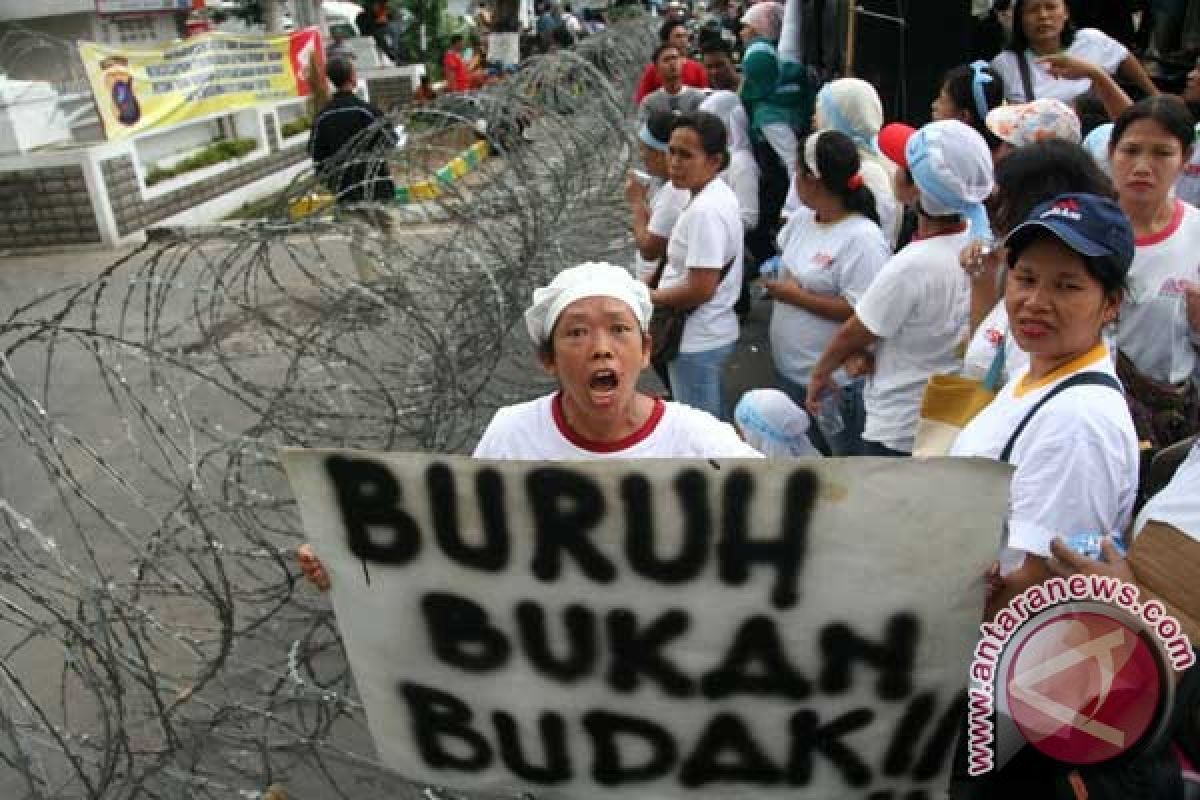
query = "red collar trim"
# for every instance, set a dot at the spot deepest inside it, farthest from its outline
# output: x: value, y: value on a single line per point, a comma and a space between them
x: 952, y: 232
x: 560, y: 421
x: 1165, y: 233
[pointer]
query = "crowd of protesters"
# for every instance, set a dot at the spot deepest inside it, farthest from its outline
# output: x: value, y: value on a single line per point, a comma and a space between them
x: 1038, y: 237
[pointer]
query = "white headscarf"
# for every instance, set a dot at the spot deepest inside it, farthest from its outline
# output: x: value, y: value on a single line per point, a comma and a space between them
x: 592, y: 279
x: 728, y: 107
x: 852, y: 106
x: 766, y: 18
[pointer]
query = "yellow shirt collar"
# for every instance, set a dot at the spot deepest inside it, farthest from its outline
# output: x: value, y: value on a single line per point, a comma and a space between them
x: 1024, y: 385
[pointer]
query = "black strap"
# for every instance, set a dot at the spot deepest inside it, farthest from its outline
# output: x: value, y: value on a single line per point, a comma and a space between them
x: 662, y: 265
x: 1026, y: 79
x: 1091, y: 378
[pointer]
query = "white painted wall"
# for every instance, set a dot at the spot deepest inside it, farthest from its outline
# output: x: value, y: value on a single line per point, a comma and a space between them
x: 34, y: 9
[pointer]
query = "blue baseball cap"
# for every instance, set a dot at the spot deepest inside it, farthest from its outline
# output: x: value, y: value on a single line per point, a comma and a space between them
x: 1091, y: 225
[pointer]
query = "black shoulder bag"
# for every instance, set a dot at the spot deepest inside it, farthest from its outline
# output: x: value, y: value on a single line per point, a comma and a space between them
x: 1090, y: 378
x: 667, y: 322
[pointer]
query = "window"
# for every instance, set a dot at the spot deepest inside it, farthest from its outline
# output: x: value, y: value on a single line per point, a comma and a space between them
x: 133, y: 30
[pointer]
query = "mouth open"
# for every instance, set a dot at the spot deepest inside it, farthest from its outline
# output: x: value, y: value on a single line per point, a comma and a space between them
x: 604, y: 380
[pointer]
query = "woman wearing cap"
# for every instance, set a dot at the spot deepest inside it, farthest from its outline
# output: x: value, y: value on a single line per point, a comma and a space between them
x: 831, y: 251
x: 1037, y: 121
x: 1063, y: 422
x: 1041, y: 29
x: 852, y: 107
x: 703, y: 271
x: 915, y: 311
x: 589, y: 326
x: 1158, y: 333
x: 654, y: 204
x: 1030, y: 176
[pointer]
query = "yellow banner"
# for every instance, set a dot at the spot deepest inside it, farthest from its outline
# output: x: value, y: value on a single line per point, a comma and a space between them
x: 137, y: 90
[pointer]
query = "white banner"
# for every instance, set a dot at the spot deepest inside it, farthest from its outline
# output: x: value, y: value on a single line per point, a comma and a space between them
x: 661, y: 629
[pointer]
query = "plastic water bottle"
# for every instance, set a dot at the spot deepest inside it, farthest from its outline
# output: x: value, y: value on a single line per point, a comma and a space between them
x: 1088, y: 544
x: 770, y: 267
x: 829, y: 414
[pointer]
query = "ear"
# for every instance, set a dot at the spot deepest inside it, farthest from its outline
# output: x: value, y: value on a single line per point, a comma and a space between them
x: 546, y: 359
x: 1112, y: 306
x: 647, y: 349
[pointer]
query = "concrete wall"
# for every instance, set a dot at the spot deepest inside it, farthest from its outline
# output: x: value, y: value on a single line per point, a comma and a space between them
x: 97, y: 195
x: 46, y: 206
x: 133, y: 210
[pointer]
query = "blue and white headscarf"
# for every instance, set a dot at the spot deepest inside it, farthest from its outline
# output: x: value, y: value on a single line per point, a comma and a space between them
x: 951, y: 165
x: 773, y: 425
x: 851, y: 106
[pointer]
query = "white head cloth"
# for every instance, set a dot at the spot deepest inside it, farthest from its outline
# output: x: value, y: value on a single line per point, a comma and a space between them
x: 766, y: 18
x: 592, y: 279
x: 728, y: 107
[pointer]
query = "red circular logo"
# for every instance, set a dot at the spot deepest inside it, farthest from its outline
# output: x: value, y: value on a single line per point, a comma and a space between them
x: 1084, y: 687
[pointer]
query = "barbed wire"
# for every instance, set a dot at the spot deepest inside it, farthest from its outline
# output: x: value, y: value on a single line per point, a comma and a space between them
x: 154, y: 639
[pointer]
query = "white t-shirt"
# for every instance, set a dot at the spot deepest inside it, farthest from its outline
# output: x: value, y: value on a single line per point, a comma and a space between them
x: 981, y: 350
x: 1153, y: 329
x: 877, y: 175
x: 1091, y: 45
x: 742, y: 176
x: 1187, y: 188
x: 537, y: 431
x: 838, y: 260
x: 666, y: 204
x: 1178, y: 503
x: 1076, y: 461
x: 708, y: 234
x: 918, y: 306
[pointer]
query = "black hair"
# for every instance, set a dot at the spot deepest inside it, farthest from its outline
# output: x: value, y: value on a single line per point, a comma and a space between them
x: 658, y: 51
x: 1039, y: 172
x: 664, y: 30
x: 660, y: 125
x: 339, y: 70
x: 1167, y: 110
x: 562, y: 37
x: 715, y: 43
x: 456, y: 37
x: 959, y: 83
x: 1019, y: 42
x: 710, y: 130
x: 837, y: 162
x: 1090, y: 110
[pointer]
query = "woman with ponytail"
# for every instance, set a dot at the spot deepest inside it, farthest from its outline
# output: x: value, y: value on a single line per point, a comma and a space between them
x: 831, y: 250
x: 915, y: 311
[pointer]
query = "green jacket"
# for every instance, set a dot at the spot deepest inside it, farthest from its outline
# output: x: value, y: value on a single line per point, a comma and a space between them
x: 774, y: 90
